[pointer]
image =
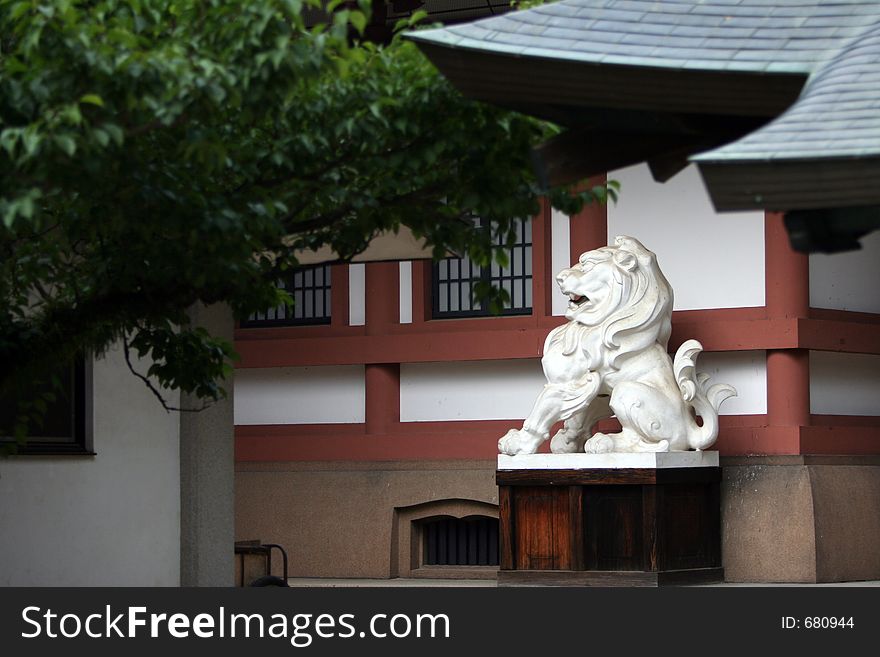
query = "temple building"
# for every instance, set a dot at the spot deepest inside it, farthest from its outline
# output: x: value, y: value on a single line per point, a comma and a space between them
x: 367, y: 422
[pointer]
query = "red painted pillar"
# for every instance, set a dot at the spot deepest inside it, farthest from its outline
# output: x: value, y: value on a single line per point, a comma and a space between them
x: 788, y: 387
x: 588, y: 229
x: 542, y: 245
x: 382, y: 292
x: 787, y: 294
x: 787, y: 272
x: 382, y: 380
x: 339, y: 292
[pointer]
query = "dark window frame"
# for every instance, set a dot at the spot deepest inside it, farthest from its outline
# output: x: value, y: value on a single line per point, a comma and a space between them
x: 80, y: 442
x: 493, y: 274
x: 291, y: 286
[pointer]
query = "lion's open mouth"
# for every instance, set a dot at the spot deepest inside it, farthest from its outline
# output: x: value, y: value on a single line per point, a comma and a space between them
x: 577, y: 300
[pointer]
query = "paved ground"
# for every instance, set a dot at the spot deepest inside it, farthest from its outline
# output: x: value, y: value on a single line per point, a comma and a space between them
x: 393, y: 583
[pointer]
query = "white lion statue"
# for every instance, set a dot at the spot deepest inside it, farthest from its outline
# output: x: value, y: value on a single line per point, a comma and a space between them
x: 611, y: 359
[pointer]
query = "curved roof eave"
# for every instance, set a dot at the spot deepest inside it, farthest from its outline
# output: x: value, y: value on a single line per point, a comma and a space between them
x: 638, y: 58
x: 824, y: 150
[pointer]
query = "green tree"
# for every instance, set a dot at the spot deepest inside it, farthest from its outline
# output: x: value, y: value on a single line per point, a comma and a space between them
x: 159, y: 153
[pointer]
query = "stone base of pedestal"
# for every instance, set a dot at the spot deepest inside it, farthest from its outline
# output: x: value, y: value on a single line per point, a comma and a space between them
x: 609, y: 519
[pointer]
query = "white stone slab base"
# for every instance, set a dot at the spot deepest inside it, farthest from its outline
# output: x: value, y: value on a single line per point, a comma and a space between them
x: 617, y: 460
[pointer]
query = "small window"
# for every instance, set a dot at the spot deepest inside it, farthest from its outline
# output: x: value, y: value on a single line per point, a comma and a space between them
x: 460, y: 541
x: 454, y: 280
x: 310, y: 289
x: 64, y: 426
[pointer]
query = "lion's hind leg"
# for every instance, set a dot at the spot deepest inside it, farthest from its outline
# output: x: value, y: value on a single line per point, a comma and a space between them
x: 647, y: 419
x: 571, y: 438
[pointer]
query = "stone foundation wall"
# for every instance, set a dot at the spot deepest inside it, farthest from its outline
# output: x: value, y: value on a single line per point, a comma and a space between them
x: 339, y: 519
x: 784, y: 518
x: 801, y: 518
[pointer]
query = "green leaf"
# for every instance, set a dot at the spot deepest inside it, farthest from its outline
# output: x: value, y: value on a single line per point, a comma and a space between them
x: 8, y: 139
x: 92, y: 99
x: 31, y: 140
x: 358, y: 20
x: 115, y: 133
x: 26, y: 207
x: 101, y: 136
x: 66, y: 144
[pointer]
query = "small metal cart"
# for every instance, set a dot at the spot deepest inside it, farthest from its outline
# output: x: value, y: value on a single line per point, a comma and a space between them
x: 253, y: 565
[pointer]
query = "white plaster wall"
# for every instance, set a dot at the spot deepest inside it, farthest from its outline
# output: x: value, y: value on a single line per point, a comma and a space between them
x: 847, y: 281
x: 357, y: 307
x: 108, y: 520
x: 744, y: 370
x: 482, y: 390
x: 844, y: 384
x: 560, y: 230
x: 300, y: 395
x: 501, y: 390
x: 712, y: 260
x: 406, y: 292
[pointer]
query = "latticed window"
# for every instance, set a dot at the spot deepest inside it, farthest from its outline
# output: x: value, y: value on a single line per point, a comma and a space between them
x: 460, y: 542
x: 454, y: 280
x: 310, y: 289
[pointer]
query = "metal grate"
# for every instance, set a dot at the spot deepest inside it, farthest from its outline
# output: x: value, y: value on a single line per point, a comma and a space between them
x: 454, y: 279
x: 460, y: 542
x: 310, y: 289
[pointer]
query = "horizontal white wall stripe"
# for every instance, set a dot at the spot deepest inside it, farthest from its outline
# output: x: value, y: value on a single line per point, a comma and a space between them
x: 847, y: 281
x: 744, y: 370
x: 712, y: 260
x: 484, y: 390
x: 300, y: 395
x: 844, y: 384
x: 497, y: 390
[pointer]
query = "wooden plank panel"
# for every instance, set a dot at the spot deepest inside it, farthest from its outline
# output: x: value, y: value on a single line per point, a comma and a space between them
x: 576, y: 527
x: 614, y: 525
x: 541, y: 529
x: 650, y: 523
x: 506, y: 526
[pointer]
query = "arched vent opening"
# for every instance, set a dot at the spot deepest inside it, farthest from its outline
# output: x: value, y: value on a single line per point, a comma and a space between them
x: 470, y: 541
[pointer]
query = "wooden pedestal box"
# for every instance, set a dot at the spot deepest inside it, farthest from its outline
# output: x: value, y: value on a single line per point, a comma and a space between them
x: 610, y: 526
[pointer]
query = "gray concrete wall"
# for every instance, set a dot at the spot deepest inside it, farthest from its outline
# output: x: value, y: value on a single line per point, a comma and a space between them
x: 107, y: 520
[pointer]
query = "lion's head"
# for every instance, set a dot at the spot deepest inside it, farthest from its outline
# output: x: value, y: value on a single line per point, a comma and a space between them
x: 621, y: 294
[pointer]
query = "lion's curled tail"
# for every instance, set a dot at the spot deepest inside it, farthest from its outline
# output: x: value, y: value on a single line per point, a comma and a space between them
x: 696, y: 392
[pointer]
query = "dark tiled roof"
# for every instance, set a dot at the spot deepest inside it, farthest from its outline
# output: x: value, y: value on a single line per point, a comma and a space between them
x: 744, y: 35
x: 837, y: 115
x: 829, y: 48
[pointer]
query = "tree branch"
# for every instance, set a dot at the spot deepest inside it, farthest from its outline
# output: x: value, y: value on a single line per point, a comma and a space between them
x: 152, y: 388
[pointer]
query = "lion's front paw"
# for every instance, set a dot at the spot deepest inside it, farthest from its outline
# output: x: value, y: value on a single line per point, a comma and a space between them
x: 599, y: 444
x: 518, y: 441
